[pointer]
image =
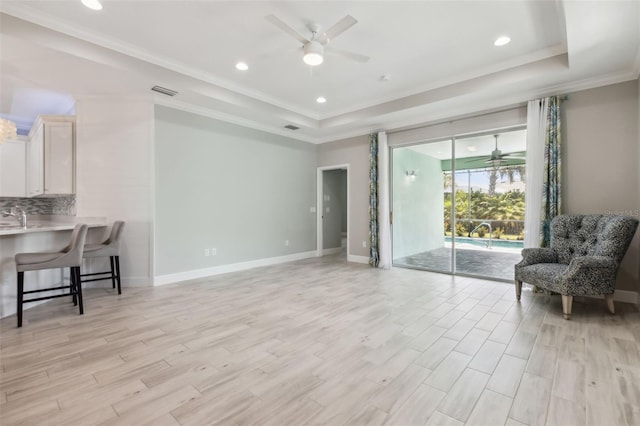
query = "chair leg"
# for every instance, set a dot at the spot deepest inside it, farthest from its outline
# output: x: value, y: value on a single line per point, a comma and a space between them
x: 117, y: 262
x: 609, y: 299
x: 567, y: 302
x: 113, y: 272
x: 79, y: 288
x: 518, y: 290
x: 20, y: 297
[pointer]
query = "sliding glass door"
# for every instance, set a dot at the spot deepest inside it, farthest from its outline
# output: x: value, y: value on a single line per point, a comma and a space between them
x: 458, y: 205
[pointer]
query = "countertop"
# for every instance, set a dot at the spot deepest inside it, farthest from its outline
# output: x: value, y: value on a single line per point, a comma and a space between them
x: 47, y: 224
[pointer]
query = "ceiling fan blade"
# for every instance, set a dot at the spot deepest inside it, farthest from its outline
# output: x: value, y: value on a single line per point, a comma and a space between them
x: 341, y: 26
x: 355, y: 56
x: 286, y: 28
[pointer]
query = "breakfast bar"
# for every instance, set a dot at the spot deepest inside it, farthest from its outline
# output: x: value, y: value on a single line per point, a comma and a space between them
x: 42, y: 233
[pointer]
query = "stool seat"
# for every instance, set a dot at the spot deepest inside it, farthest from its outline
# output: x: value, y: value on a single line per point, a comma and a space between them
x: 69, y: 257
x: 37, y: 261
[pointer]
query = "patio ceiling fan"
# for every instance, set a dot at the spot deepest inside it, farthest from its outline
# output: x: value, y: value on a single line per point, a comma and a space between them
x: 497, y: 158
x: 316, y: 45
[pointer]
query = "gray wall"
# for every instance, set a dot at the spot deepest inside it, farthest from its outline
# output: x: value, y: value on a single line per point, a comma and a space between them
x: 333, y: 207
x: 600, y: 160
x: 355, y: 152
x: 418, y: 203
x: 240, y: 191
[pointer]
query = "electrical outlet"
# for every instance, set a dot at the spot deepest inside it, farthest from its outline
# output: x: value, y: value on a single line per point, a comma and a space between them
x: 312, y: 209
x: 286, y: 243
x: 364, y: 244
x: 206, y: 252
x: 328, y: 209
x: 214, y: 252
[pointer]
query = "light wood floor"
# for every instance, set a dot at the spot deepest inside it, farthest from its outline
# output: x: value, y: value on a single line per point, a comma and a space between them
x: 321, y: 342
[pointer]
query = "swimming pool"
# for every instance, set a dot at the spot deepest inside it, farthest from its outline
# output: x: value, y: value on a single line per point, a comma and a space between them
x: 483, y: 242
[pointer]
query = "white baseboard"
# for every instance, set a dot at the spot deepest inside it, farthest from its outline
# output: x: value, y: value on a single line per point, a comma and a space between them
x: 357, y: 259
x: 334, y: 250
x: 233, y: 267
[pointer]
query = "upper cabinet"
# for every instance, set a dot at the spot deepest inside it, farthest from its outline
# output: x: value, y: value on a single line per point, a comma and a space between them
x: 13, y: 166
x: 51, y: 156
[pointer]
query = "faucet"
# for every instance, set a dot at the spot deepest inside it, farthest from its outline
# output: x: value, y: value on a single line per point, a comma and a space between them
x: 20, y: 215
x: 488, y: 225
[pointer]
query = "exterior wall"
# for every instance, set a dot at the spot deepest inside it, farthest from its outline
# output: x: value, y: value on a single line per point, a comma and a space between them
x: 418, y: 203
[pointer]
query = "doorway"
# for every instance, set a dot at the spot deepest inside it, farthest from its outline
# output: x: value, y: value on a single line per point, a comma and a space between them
x: 333, y: 211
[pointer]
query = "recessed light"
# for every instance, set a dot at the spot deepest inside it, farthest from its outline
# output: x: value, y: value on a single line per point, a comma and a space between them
x: 501, y: 41
x: 321, y: 100
x: 242, y: 66
x: 93, y: 4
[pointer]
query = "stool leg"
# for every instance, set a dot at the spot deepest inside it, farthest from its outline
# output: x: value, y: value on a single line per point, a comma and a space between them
x: 113, y: 272
x: 117, y: 261
x: 20, y: 297
x: 79, y: 288
x: 72, y: 287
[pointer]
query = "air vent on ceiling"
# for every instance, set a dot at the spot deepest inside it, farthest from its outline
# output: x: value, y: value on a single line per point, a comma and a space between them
x: 164, y: 90
x: 291, y: 127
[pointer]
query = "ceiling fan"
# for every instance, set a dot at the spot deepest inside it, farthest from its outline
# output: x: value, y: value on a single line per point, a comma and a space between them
x: 315, y: 46
x: 497, y: 158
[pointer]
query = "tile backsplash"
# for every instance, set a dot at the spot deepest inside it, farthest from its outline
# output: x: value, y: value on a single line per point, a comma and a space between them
x: 41, y: 206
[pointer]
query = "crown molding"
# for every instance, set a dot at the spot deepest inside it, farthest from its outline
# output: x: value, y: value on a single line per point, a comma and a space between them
x: 24, y: 12
x: 229, y: 118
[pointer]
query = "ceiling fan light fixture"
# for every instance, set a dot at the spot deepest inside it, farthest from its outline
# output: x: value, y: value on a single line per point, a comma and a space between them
x: 502, y: 40
x: 313, y: 53
x: 92, y: 4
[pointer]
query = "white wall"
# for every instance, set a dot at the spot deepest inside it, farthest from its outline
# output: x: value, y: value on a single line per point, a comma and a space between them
x: 600, y: 161
x: 241, y: 191
x: 418, y: 203
x: 114, y: 140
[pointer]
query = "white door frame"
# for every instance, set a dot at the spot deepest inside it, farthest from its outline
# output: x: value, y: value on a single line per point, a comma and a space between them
x: 320, y: 205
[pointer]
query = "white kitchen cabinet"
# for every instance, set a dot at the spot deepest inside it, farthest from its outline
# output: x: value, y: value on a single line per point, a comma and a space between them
x: 51, y: 156
x: 13, y: 166
x: 35, y: 163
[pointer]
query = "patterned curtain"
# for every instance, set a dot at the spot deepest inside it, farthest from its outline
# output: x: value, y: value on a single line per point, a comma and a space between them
x: 373, y: 200
x: 551, y: 196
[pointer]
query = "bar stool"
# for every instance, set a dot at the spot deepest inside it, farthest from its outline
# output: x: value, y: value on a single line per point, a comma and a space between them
x: 109, y: 247
x: 69, y: 257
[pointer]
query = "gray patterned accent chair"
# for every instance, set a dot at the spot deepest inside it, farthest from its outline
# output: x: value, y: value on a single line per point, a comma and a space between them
x: 583, y: 260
